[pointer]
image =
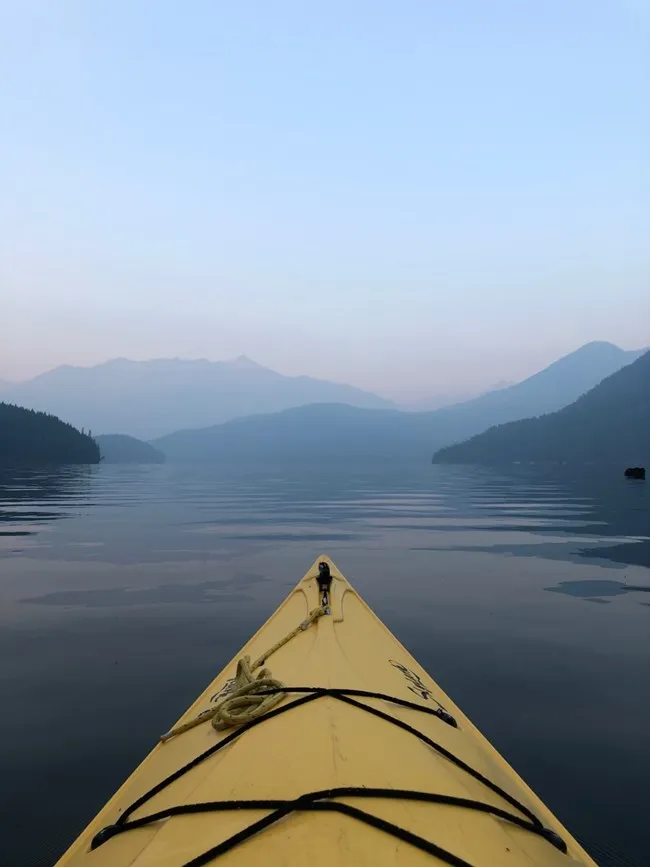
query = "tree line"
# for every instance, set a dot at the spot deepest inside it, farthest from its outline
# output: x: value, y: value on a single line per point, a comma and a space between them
x: 31, y: 437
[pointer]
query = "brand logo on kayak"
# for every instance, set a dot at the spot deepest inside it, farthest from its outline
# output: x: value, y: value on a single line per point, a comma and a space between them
x: 415, y: 683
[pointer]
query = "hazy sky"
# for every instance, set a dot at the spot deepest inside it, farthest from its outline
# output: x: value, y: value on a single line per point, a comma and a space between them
x: 415, y: 196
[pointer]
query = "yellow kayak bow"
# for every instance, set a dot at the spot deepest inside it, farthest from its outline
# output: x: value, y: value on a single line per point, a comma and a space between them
x: 343, y: 752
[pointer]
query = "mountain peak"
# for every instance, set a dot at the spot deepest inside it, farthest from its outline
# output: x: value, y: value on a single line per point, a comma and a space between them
x: 598, y: 346
x: 243, y: 362
x: 598, y: 355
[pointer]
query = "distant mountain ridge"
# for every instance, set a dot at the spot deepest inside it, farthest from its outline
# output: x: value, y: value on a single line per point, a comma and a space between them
x: 123, y: 449
x: 334, y: 432
x: 550, y: 389
x: 610, y: 423
x: 147, y: 399
x: 438, y: 401
x: 325, y: 432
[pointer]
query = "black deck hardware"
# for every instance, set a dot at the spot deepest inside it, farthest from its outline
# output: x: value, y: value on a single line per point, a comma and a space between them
x: 324, y: 583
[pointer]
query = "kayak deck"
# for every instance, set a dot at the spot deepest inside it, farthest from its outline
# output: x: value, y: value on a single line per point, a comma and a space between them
x: 363, y: 760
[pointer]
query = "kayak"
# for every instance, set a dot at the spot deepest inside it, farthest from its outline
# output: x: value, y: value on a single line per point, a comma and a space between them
x: 324, y: 742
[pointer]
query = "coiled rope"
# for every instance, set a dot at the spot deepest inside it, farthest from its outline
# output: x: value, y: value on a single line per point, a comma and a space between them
x: 247, y: 697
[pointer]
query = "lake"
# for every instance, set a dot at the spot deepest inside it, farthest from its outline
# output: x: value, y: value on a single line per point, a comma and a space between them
x: 124, y: 590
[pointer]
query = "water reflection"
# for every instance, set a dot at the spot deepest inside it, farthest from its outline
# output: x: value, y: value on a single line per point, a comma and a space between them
x: 38, y: 496
x: 596, y: 588
x: 163, y: 594
x: 341, y: 504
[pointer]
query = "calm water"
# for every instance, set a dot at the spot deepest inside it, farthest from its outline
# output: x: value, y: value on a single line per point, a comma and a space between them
x: 124, y: 590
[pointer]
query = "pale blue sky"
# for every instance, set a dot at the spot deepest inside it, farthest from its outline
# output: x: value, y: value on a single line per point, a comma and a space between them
x: 415, y: 197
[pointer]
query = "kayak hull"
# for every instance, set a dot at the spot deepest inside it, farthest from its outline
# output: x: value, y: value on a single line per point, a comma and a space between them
x: 328, y: 743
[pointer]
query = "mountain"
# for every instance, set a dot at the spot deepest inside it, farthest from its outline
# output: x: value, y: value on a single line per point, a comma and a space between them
x: 555, y: 386
x: 438, y: 401
x: 28, y: 437
x: 326, y: 432
x: 609, y: 424
x: 330, y: 431
x: 151, y: 398
x: 435, y: 401
x: 123, y: 449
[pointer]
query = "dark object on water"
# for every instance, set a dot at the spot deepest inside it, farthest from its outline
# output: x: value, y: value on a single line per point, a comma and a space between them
x: 635, y: 473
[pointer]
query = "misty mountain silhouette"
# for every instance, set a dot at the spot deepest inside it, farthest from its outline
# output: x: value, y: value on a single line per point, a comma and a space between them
x: 335, y: 432
x: 123, y: 449
x: 322, y: 431
x: 555, y: 386
x: 147, y: 399
x: 611, y: 422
